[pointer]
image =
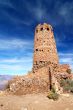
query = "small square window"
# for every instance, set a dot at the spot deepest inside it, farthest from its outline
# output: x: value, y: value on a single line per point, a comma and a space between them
x: 41, y: 29
x: 48, y: 29
x: 36, y: 49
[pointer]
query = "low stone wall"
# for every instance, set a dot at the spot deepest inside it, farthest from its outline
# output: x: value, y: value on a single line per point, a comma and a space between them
x: 38, y: 82
x: 28, y: 84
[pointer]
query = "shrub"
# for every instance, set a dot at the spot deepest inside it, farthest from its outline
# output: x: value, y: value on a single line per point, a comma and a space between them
x: 71, y: 89
x: 68, y: 71
x: 53, y: 90
x: 66, y: 88
x: 67, y: 85
x: 71, y: 83
x: 62, y: 82
x: 52, y: 95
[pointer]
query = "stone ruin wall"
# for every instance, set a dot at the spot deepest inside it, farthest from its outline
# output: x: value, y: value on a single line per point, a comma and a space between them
x: 38, y: 82
x: 30, y: 83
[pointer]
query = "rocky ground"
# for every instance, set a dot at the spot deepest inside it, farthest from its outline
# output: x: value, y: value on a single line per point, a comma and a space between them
x: 35, y: 102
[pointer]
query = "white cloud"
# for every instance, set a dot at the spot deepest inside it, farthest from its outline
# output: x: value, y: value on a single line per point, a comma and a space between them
x: 6, y: 3
x: 16, y: 66
x: 15, y: 44
x: 66, y: 12
x: 40, y: 12
x: 13, y: 19
x: 67, y: 61
x: 26, y: 59
x: 37, y: 11
x: 66, y: 58
x: 66, y: 54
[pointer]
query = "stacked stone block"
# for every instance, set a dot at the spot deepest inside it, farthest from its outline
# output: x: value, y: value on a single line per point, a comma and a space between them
x: 44, y: 46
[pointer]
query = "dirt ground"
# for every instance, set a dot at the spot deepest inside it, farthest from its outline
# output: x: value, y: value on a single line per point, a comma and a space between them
x: 35, y: 102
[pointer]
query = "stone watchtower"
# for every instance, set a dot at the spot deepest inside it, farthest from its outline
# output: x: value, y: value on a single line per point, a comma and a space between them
x: 44, y: 46
x: 47, y: 72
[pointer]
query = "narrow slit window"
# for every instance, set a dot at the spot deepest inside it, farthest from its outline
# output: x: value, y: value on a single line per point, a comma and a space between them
x: 41, y: 61
x: 36, y: 63
x: 36, y: 30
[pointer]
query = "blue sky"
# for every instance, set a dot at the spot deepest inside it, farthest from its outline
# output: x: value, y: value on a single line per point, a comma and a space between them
x: 18, y: 19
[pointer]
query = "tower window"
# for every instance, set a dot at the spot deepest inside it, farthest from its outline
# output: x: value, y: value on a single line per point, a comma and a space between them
x: 48, y: 29
x: 36, y: 30
x: 36, y: 63
x: 36, y: 49
x: 41, y: 61
x: 41, y: 29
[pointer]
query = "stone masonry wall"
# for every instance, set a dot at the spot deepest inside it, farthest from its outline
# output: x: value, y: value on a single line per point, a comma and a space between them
x: 30, y: 83
x: 44, y: 46
x: 46, y: 71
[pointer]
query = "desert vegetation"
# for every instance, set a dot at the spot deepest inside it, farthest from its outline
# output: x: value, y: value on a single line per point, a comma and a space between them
x: 53, y: 95
x: 67, y: 85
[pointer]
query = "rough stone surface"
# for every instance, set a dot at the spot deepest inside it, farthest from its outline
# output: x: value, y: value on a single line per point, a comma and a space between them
x: 46, y: 72
x: 29, y: 84
x: 44, y: 46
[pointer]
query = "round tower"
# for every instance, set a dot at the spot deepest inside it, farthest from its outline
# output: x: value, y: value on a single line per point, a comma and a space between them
x: 44, y: 46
